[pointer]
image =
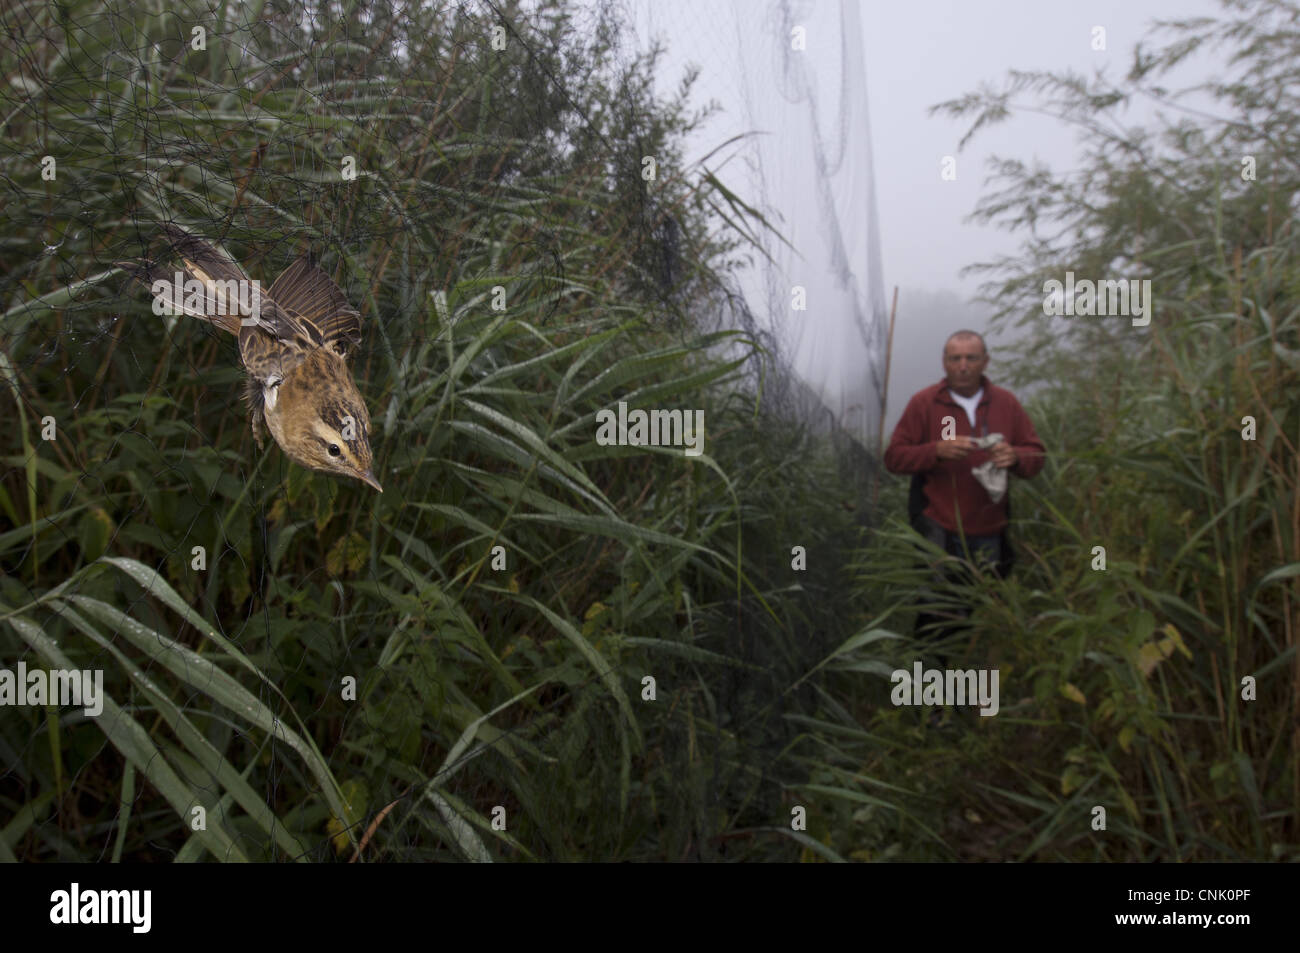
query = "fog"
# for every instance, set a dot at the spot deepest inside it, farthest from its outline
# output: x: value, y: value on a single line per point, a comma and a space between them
x: 912, y: 57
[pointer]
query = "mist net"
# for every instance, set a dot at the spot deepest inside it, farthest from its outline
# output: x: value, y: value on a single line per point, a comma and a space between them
x: 789, y: 80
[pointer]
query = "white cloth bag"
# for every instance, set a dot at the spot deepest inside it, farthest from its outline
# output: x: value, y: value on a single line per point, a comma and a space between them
x: 991, y: 477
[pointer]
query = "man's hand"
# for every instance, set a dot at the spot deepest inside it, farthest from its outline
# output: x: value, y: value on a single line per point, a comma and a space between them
x: 955, y: 449
x: 1003, y: 456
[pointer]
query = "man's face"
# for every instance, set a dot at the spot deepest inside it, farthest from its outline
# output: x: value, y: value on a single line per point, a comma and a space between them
x: 964, y: 361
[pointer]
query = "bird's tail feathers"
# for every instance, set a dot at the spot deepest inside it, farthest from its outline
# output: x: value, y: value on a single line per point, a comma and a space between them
x: 203, y: 256
x: 209, y: 285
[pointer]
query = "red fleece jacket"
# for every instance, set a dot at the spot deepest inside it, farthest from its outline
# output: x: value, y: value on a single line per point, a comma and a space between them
x: 949, y: 486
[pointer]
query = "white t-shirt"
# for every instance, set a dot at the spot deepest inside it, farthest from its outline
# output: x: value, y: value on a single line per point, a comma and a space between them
x: 970, y: 403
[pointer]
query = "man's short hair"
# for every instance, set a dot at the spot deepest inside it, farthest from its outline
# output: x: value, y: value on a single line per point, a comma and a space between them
x: 967, y: 334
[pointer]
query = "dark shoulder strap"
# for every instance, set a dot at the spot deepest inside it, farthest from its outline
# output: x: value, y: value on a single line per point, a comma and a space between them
x: 916, y: 501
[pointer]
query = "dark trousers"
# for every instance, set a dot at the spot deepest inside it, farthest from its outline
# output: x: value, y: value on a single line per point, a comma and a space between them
x: 984, y: 552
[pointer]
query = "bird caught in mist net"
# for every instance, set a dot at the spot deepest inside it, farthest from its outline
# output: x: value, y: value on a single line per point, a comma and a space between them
x: 294, y: 339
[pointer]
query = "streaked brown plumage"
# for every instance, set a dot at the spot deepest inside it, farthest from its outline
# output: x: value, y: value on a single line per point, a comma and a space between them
x: 293, y: 349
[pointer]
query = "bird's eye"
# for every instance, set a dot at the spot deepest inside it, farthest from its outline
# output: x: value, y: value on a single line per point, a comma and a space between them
x: 334, y: 450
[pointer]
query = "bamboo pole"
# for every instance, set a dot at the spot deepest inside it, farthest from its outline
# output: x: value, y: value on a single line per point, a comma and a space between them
x: 884, y: 401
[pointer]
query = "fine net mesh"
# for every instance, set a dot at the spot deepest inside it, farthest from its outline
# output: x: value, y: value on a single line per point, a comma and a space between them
x: 791, y: 134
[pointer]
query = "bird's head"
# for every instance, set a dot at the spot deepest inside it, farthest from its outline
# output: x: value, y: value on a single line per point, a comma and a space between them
x: 327, y: 427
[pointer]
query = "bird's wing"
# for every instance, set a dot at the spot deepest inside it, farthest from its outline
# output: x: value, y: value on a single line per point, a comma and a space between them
x: 312, y: 297
x: 210, y: 265
x: 282, y: 324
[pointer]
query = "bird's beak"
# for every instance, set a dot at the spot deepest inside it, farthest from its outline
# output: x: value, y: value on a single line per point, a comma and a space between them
x: 368, y: 478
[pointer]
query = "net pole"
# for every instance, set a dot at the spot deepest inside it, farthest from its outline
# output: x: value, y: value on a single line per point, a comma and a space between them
x: 884, y: 400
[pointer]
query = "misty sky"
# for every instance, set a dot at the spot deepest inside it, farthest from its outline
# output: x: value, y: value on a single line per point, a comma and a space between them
x: 915, y: 54
x: 924, y: 52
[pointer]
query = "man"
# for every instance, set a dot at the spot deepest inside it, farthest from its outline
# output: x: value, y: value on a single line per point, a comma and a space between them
x: 936, y: 442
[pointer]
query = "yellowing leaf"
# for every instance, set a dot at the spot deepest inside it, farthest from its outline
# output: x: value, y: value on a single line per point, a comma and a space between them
x: 337, y: 834
x: 1178, y: 639
x: 1126, y: 736
x: 93, y: 532
x: 1072, y: 693
x: 1129, y: 805
x: 1072, y: 778
x: 1153, y: 653
x: 593, y: 613
x: 347, y: 554
x: 1148, y: 658
x: 355, y: 797
x: 278, y: 510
